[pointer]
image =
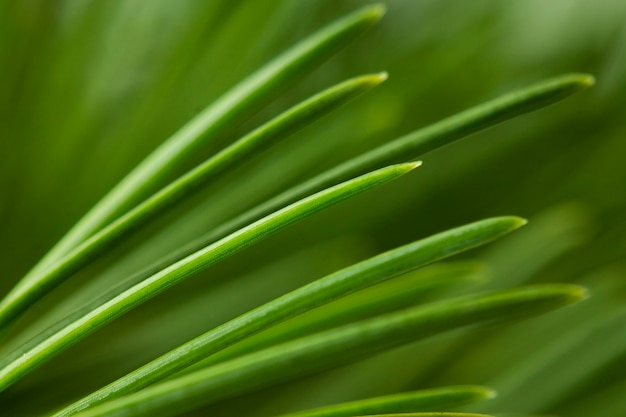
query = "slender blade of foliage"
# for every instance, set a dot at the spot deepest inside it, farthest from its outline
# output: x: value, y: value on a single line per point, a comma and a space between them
x: 356, y: 277
x: 28, y: 292
x: 407, y: 147
x: 17, y: 365
x: 366, y: 304
x: 425, y: 140
x: 334, y: 348
x: 230, y: 109
x: 424, y: 400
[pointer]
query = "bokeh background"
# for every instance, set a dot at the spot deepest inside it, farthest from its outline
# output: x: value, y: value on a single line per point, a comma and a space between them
x: 89, y: 88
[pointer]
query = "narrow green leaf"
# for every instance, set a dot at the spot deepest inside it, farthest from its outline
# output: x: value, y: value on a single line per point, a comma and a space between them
x: 22, y: 361
x: 401, y: 293
x: 233, y: 107
x: 322, y: 291
x: 28, y: 292
x: 408, y: 147
x: 424, y: 140
x: 417, y: 401
x: 334, y: 348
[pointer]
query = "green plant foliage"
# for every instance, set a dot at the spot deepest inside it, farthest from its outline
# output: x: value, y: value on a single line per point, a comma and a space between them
x: 335, y: 347
x: 275, y: 75
x: 402, y: 292
x: 36, y: 286
x: 353, y: 278
x: 26, y: 358
x: 242, y: 99
x: 166, y: 251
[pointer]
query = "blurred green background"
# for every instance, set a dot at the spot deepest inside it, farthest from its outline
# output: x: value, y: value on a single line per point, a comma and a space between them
x: 89, y: 88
